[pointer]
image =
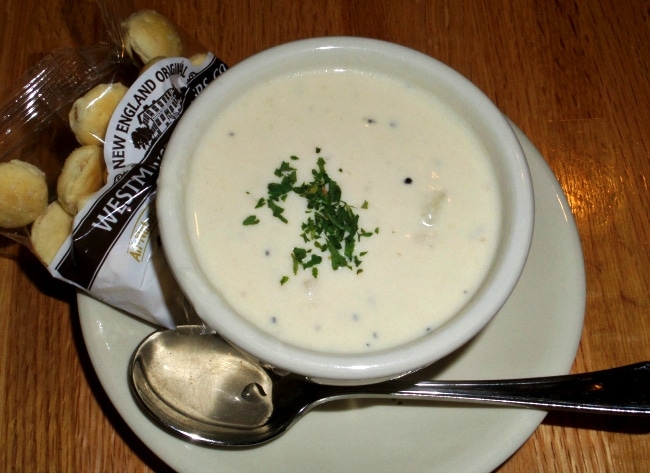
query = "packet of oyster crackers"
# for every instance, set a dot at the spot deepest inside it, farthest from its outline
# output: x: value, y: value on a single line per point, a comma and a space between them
x: 113, y: 252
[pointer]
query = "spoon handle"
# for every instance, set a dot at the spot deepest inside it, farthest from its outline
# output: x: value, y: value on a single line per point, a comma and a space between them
x: 624, y: 390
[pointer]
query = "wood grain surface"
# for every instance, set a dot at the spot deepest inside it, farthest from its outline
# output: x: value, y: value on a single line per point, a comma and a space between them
x: 573, y: 75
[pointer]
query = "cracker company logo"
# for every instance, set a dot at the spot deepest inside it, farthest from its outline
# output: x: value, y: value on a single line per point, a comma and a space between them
x: 155, y: 118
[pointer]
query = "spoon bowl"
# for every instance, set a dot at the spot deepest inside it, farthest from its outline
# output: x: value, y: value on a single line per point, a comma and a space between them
x: 200, y: 388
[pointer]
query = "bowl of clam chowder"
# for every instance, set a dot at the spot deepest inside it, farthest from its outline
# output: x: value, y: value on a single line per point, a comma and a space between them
x: 345, y: 209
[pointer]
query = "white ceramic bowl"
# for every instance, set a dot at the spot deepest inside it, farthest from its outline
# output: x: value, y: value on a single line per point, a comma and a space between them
x: 482, y: 115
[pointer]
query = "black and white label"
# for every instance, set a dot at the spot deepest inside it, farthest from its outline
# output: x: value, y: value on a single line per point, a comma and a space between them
x: 114, y: 252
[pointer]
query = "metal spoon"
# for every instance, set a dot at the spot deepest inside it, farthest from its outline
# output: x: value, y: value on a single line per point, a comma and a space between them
x: 200, y: 388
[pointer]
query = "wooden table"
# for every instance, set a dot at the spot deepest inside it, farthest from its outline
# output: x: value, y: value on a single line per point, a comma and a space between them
x: 574, y: 76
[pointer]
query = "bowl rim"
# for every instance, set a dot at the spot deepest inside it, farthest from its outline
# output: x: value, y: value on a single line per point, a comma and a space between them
x: 346, y: 368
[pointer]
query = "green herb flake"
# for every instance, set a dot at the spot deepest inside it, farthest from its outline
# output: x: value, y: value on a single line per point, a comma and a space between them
x: 251, y: 220
x: 277, y: 210
x: 313, y: 261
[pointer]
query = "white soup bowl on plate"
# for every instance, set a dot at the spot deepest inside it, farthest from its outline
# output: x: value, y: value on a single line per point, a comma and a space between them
x: 432, y: 183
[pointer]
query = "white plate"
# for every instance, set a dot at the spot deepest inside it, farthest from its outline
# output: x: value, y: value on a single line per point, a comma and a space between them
x: 536, y: 333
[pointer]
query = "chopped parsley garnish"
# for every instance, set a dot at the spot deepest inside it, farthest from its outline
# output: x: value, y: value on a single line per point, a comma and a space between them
x: 251, y: 220
x: 331, y: 227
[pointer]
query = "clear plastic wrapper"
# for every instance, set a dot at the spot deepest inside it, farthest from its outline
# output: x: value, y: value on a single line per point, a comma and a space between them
x: 81, y: 140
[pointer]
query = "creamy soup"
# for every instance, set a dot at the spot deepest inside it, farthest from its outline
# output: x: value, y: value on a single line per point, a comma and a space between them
x: 413, y: 173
